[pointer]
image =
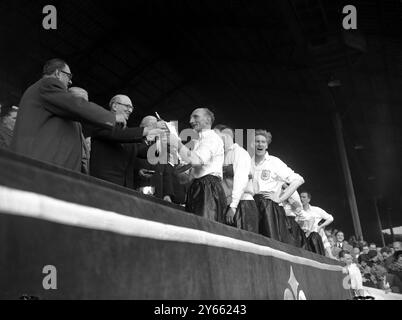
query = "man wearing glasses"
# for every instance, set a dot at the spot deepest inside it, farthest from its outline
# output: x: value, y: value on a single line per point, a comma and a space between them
x: 46, y: 128
x: 113, y: 151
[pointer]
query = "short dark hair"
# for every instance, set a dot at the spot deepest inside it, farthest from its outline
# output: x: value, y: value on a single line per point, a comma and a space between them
x: 363, y: 258
x: 52, y: 65
x: 339, y: 231
x: 372, y: 254
x: 308, y: 193
x: 222, y: 127
x: 386, y: 249
x: 342, y: 253
x: 397, y: 254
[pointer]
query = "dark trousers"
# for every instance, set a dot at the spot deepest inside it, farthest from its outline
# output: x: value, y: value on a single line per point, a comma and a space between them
x: 298, y: 234
x: 206, y: 198
x: 247, y: 216
x: 273, y: 222
x: 314, y: 243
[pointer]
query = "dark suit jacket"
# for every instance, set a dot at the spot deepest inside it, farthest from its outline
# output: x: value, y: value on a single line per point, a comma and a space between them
x: 46, y: 128
x: 162, y: 178
x: 393, y: 281
x: 345, y: 246
x: 113, y: 153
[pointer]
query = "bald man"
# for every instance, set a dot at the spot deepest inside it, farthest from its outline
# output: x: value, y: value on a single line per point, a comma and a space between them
x: 205, y: 196
x: 113, y: 151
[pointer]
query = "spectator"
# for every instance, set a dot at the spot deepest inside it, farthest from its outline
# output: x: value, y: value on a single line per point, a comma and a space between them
x: 386, y: 253
x: 341, y: 242
x: 8, y: 115
x: 365, y: 249
x: 379, y: 255
x: 342, y: 254
x: 355, y: 254
x: 396, y: 266
x: 386, y: 281
x: 373, y: 258
x: 373, y: 246
x: 365, y: 270
x: 46, y: 127
x: 352, y: 241
x: 334, y: 249
x: 397, y: 246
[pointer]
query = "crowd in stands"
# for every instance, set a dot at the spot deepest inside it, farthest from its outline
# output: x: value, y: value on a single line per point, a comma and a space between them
x: 215, y: 178
x: 380, y: 267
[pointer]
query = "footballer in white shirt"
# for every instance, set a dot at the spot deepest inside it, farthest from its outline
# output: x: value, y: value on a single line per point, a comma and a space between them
x: 312, y: 216
x: 241, y: 209
x: 269, y: 174
x: 205, y: 195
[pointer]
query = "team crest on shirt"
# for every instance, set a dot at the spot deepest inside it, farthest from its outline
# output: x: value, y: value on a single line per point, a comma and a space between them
x: 265, y: 174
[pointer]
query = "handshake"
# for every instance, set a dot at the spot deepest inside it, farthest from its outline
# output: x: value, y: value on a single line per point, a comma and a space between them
x: 165, y: 131
x: 158, y: 129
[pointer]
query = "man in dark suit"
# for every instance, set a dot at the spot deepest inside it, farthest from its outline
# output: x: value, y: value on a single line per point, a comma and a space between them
x: 113, y: 151
x: 46, y: 128
x: 342, y: 243
x: 147, y: 171
x: 7, y: 123
x: 85, y: 141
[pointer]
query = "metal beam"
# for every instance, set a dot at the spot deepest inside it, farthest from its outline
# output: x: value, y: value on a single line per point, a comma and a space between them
x: 347, y: 175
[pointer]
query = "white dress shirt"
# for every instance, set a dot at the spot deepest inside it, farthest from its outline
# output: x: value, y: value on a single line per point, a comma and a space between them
x: 270, y: 174
x: 241, y: 185
x: 209, y: 148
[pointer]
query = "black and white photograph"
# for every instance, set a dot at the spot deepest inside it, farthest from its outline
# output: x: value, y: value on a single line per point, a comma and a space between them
x: 203, y: 157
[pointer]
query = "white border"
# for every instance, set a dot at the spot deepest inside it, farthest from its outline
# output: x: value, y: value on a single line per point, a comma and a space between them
x: 33, y: 205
